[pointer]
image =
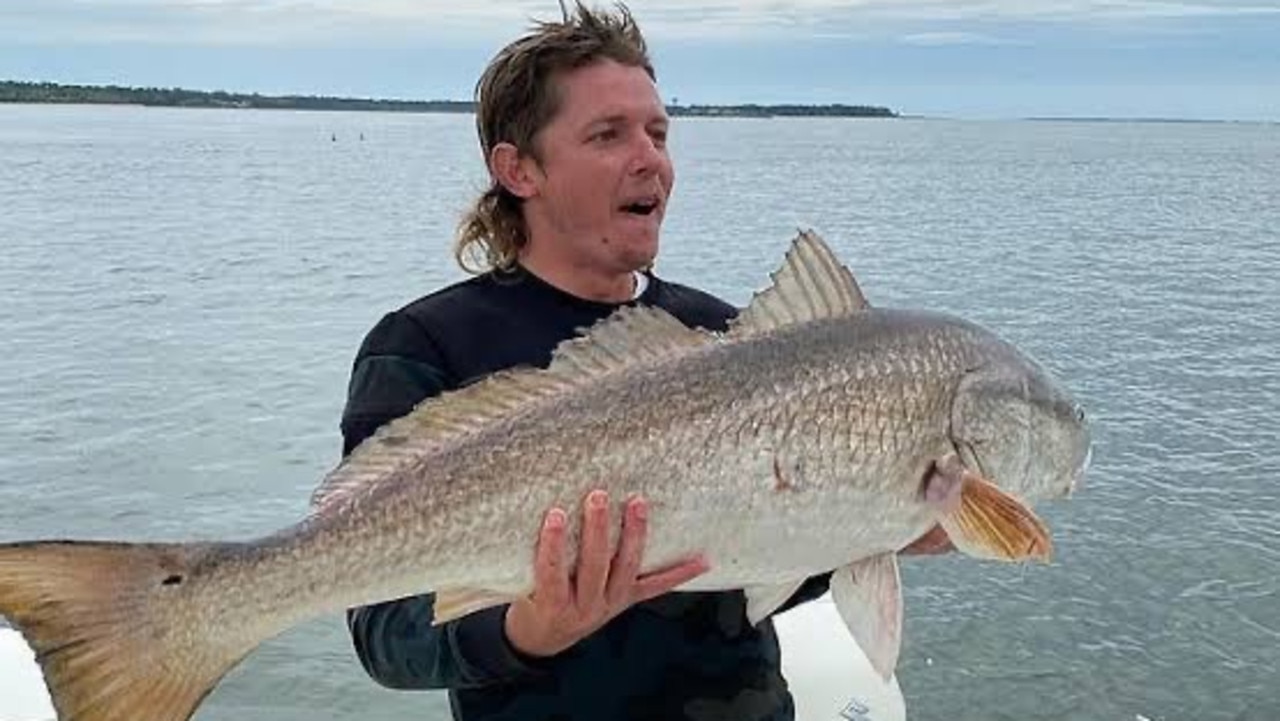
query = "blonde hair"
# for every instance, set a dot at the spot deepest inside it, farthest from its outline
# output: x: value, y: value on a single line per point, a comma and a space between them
x: 516, y: 97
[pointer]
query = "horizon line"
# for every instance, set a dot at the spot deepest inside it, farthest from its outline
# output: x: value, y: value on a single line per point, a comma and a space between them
x: 742, y: 105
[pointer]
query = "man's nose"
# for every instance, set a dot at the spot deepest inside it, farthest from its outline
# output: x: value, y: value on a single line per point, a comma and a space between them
x: 647, y: 155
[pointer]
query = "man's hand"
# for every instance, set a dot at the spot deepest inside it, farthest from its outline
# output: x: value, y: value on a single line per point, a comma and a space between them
x: 932, y: 543
x: 566, y: 607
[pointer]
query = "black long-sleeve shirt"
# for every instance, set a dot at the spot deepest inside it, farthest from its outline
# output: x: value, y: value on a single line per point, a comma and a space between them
x: 682, y: 656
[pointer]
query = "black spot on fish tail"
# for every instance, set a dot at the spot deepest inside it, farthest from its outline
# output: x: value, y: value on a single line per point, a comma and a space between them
x: 172, y: 580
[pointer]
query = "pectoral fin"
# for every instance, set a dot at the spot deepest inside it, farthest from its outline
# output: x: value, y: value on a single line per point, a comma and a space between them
x: 764, y: 600
x: 868, y: 595
x: 454, y: 603
x: 989, y: 523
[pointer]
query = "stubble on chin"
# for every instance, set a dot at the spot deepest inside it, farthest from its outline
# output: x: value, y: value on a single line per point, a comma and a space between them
x: 633, y: 255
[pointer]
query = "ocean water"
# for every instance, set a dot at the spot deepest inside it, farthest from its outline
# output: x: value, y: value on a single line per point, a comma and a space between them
x: 182, y: 291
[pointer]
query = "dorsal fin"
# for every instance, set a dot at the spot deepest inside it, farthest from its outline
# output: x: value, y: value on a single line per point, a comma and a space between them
x: 627, y: 337
x: 811, y: 284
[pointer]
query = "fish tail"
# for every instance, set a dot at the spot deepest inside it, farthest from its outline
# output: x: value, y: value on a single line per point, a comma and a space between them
x: 115, y: 627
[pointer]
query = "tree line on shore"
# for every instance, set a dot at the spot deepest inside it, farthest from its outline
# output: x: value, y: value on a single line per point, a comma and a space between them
x: 45, y: 92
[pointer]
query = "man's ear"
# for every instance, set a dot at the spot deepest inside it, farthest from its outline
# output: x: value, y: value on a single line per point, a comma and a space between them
x: 513, y: 171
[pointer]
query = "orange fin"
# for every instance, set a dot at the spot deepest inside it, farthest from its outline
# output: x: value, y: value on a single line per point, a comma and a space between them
x: 989, y: 523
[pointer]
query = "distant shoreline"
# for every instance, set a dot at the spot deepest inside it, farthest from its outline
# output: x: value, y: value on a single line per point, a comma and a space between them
x: 59, y: 94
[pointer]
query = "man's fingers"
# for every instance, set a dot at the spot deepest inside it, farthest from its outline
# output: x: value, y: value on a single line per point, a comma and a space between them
x: 551, y: 577
x: 663, y: 580
x: 593, y: 553
x: 594, y: 556
x: 626, y: 563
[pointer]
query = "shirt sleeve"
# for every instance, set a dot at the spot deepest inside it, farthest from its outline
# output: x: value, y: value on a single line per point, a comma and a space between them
x: 398, y: 366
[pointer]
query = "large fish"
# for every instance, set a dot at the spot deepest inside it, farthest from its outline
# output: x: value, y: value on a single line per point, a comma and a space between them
x: 816, y: 434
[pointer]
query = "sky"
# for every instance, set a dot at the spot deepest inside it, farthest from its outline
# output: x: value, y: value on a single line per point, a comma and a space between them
x: 1192, y: 59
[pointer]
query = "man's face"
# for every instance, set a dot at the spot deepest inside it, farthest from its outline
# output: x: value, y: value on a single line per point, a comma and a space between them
x: 602, y: 185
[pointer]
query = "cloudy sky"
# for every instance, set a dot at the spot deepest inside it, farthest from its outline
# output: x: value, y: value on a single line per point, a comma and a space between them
x: 958, y: 58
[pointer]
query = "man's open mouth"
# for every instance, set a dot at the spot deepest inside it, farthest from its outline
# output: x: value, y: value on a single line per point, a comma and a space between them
x: 640, y: 207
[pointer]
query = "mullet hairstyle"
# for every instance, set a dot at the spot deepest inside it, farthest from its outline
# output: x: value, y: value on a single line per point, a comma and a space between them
x: 516, y: 97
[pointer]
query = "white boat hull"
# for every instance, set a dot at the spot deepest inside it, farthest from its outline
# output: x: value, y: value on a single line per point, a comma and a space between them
x: 22, y: 693
x: 830, y: 677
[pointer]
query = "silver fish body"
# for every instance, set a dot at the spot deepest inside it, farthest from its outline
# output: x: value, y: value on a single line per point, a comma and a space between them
x: 776, y: 456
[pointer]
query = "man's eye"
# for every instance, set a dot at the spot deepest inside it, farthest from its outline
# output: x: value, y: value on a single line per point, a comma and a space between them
x: 604, y: 135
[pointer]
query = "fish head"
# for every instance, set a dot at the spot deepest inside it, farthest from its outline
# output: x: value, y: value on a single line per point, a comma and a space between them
x: 1017, y: 427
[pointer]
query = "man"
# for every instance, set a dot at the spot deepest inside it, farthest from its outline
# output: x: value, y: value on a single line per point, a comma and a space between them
x: 574, y: 135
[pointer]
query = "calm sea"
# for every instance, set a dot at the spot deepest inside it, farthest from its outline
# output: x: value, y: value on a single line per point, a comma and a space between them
x: 182, y: 291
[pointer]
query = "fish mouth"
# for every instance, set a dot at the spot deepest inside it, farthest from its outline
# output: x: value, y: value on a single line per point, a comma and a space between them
x: 1077, y: 478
